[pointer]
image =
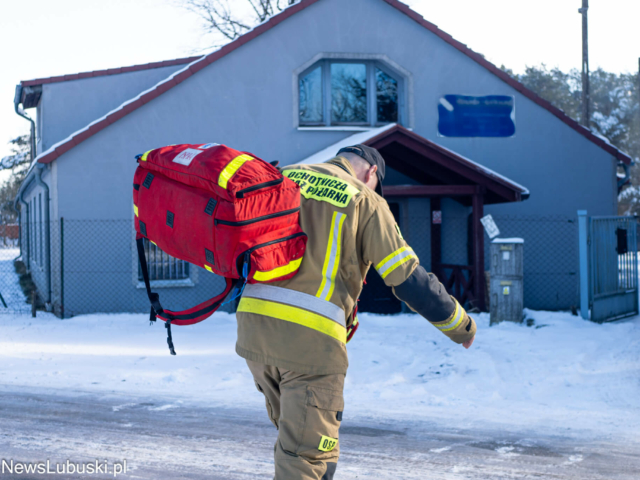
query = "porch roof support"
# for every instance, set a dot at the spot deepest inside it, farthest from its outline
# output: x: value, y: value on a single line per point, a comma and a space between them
x: 478, y: 250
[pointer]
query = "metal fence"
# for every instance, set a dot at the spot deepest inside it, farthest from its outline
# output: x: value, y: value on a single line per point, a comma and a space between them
x: 91, y: 265
x: 12, y: 298
x: 551, y: 270
x: 613, y: 265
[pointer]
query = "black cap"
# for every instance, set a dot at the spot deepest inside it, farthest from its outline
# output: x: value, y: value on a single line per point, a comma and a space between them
x: 372, y: 156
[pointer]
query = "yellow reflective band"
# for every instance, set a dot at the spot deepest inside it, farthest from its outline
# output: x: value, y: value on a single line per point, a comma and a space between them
x: 292, y: 266
x: 456, y: 318
x: 231, y: 168
x: 327, y: 443
x: 294, y: 315
x: 399, y: 232
x: 135, y: 209
x: 144, y: 155
x: 325, y: 188
x: 332, y: 257
x: 208, y: 268
x: 353, y: 325
x: 394, y: 260
x: 153, y: 242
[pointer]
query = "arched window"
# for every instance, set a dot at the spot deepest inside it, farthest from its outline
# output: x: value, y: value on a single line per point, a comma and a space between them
x: 350, y: 93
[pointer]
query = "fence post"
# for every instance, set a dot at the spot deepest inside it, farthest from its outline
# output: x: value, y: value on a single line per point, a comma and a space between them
x: 62, y: 267
x: 583, y: 247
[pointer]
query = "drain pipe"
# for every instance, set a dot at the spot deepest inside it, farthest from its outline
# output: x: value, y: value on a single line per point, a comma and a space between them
x: 20, y: 218
x: 16, y: 104
x: 47, y: 231
x: 17, y: 99
x: 20, y: 198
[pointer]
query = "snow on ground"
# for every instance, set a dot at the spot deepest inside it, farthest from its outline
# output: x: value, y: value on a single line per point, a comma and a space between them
x: 563, y: 375
x: 9, y: 286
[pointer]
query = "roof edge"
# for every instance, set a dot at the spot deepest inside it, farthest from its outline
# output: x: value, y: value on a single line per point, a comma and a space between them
x: 201, y: 62
x: 174, y: 79
x: 109, y: 71
x: 455, y: 156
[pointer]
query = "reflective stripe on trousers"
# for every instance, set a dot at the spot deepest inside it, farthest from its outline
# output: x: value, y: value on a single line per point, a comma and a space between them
x: 296, y: 307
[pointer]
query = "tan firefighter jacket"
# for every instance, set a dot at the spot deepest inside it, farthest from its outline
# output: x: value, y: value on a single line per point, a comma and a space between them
x: 300, y: 324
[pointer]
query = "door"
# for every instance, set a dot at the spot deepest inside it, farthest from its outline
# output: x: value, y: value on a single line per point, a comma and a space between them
x: 376, y: 297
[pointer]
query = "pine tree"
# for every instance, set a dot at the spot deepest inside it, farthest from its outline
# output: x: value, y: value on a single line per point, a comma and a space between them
x: 18, y: 162
x: 615, y: 113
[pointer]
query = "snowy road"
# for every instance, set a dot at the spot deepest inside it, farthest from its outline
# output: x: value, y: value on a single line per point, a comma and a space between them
x: 173, y: 440
x: 559, y: 400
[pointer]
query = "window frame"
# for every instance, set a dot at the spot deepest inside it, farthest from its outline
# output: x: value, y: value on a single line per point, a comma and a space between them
x: 159, y: 264
x: 190, y: 281
x: 372, y: 110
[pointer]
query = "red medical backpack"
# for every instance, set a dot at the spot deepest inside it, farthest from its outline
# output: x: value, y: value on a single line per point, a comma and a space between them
x: 221, y: 209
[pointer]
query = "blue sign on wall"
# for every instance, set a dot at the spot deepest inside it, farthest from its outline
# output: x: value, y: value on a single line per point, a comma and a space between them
x: 467, y: 116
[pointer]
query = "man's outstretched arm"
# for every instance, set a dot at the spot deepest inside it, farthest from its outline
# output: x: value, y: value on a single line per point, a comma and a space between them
x: 427, y: 296
x: 398, y: 265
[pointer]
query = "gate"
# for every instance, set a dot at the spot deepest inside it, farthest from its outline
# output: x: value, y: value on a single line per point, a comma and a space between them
x: 613, y: 267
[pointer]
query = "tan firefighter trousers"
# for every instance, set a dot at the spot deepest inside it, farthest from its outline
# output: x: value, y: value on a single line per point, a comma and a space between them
x: 306, y: 410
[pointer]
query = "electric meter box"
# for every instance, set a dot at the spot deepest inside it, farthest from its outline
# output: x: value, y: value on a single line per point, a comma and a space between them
x: 506, y: 286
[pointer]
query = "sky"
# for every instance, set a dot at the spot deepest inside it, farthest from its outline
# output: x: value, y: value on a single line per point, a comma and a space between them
x: 42, y: 38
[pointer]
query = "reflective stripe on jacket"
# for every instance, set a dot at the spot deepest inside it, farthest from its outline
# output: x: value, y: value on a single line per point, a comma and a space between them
x: 300, y: 324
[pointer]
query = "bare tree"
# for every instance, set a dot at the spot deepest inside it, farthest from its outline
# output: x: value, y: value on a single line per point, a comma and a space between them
x: 232, y: 18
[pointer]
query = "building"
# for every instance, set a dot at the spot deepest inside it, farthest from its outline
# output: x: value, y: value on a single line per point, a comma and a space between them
x: 462, y: 139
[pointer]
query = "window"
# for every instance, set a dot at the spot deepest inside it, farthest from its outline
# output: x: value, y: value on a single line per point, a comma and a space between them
x: 348, y: 93
x: 40, y: 229
x: 33, y: 229
x: 162, y: 266
x: 356, y: 93
x: 311, y: 97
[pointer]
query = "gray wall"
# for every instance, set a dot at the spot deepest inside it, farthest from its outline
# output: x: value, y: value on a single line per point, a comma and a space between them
x: 563, y: 170
x: 33, y: 230
x: 66, y: 107
x: 246, y: 100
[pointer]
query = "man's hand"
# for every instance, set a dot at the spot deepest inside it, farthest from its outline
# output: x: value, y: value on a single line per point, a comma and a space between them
x: 468, y: 343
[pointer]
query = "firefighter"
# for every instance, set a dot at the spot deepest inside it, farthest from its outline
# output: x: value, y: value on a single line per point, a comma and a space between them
x: 293, y: 333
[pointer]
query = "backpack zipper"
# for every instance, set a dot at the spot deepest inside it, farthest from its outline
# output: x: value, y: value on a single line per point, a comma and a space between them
x: 247, y: 253
x: 240, y: 193
x: 242, y: 223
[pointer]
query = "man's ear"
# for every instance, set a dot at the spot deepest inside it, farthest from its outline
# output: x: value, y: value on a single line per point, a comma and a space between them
x: 371, y: 172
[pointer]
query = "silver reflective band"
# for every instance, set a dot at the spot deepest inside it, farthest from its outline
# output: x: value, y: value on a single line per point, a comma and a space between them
x: 296, y: 299
x: 389, y: 264
x: 454, y: 322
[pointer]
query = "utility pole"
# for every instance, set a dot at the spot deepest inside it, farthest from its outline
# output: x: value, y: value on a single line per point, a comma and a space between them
x: 586, y: 98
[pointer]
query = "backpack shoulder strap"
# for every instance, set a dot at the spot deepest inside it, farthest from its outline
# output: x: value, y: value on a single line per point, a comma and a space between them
x: 185, y: 317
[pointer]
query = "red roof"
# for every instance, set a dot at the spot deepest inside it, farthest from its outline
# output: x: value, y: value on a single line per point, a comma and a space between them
x: 110, y: 71
x: 201, y: 62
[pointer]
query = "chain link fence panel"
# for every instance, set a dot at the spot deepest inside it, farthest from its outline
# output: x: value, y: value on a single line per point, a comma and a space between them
x: 94, y: 265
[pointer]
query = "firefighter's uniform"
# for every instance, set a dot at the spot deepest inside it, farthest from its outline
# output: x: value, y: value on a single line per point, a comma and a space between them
x: 293, y: 333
